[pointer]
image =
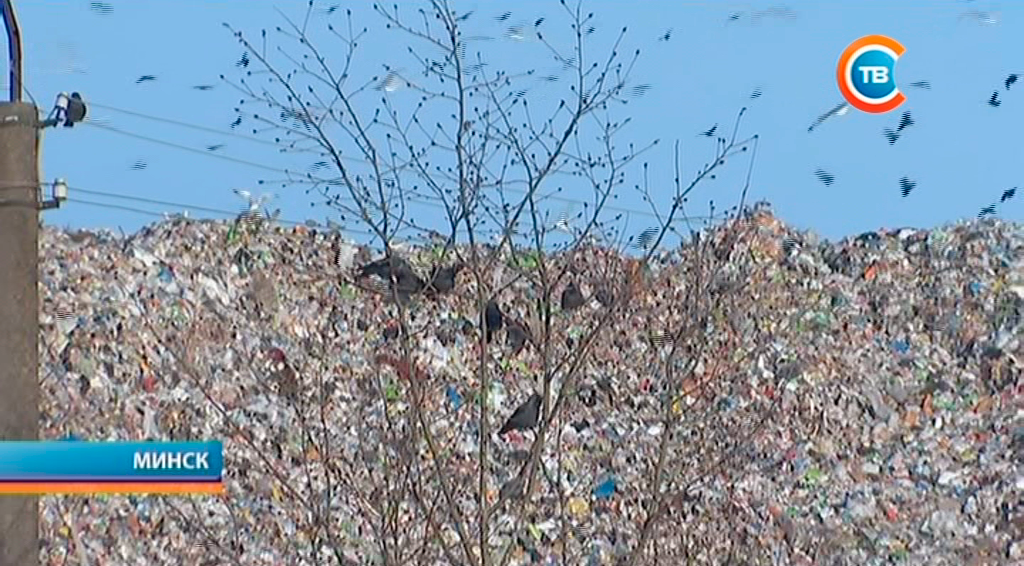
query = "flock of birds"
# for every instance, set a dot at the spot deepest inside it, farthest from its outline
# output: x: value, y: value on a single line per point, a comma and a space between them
x: 893, y: 135
x: 518, y: 29
x: 395, y: 275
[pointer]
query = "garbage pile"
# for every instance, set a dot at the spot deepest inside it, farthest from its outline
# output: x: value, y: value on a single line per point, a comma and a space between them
x: 857, y: 402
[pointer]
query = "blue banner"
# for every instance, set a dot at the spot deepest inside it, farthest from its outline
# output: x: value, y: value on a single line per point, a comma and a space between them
x: 86, y: 461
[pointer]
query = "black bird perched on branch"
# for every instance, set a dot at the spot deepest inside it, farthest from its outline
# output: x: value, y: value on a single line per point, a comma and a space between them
x: 443, y: 280
x: 493, y: 319
x: 394, y: 269
x: 517, y: 336
x: 572, y: 297
x: 76, y: 110
x: 525, y: 416
x: 604, y: 296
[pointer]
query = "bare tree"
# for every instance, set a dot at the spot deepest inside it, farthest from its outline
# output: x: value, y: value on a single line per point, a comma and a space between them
x: 489, y: 149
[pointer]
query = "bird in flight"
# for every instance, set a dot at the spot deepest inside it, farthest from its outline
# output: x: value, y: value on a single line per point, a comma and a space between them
x: 709, y: 132
x: 1010, y: 80
x: 203, y: 87
x: 837, y: 110
x: 145, y: 79
x: 987, y: 211
x: 926, y: 85
x: 825, y: 177
x: 890, y: 135
x: 243, y: 61
x: 993, y: 100
x: 905, y: 121
x: 214, y: 147
x: 666, y: 36
x: 101, y: 8
x: 906, y: 185
x: 1008, y: 194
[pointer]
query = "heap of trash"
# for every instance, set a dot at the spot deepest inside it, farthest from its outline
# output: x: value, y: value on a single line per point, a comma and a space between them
x: 772, y: 399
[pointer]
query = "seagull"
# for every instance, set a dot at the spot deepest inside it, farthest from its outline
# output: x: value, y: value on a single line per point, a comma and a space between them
x: 709, y: 132
x: 255, y: 203
x: 993, y: 100
x: 562, y: 224
x: 825, y: 177
x: 391, y: 82
x: 906, y: 185
x: 837, y: 110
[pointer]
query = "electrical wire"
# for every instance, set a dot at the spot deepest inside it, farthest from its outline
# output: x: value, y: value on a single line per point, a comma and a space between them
x: 191, y: 149
x: 178, y: 205
x: 565, y: 200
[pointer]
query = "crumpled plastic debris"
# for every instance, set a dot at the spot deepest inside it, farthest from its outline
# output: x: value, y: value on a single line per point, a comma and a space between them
x: 890, y: 361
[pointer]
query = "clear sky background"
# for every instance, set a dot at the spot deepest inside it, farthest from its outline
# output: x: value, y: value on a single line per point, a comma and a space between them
x: 961, y: 152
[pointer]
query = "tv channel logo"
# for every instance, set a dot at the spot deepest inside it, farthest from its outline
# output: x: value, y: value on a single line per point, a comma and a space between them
x: 867, y: 74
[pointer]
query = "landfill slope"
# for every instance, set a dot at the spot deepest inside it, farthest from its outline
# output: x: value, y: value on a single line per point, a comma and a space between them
x: 859, y: 402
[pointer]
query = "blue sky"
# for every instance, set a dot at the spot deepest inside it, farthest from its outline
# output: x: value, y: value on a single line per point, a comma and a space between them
x: 961, y: 152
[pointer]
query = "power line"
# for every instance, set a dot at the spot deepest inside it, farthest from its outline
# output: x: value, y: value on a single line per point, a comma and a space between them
x: 185, y: 124
x: 192, y: 149
x: 566, y: 200
x: 181, y: 206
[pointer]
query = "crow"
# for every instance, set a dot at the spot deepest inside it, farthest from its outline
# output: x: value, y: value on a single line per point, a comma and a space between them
x: 906, y: 185
x: 905, y: 122
x: 517, y: 336
x: 1008, y: 194
x: 825, y: 177
x: 443, y: 280
x: 572, y: 297
x: 993, y: 100
x: 493, y: 319
x: 525, y: 416
x: 76, y: 110
x: 394, y: 268
x: 1010, y: 80
x: 604, y: 296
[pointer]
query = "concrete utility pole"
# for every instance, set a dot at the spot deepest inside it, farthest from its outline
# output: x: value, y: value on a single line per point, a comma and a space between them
x: 19, y: 297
